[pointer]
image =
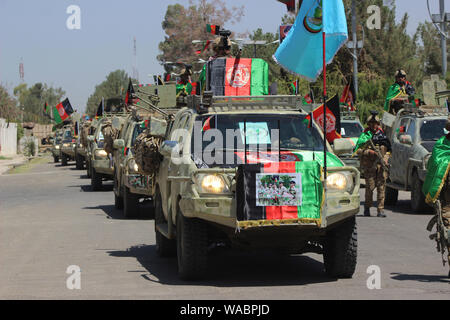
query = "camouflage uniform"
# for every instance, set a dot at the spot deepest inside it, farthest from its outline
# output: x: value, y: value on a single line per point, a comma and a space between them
x: 374, y: 173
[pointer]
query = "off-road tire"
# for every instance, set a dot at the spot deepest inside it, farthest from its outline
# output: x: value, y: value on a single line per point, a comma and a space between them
x: 118, y: 198
x: 192, y: 247
x: 164, y: 247
x: 56, y: 159
x: 130, y: 204
x: 88, y: 169
x: 63, y: 160
x: 390, y: 196
x: 96, y: 181
x: 340, y: 250
x: 79, y: 162
x: 418, y: 204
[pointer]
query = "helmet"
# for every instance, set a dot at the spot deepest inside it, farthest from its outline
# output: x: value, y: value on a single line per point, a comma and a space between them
x: 373, y: 118
x: 220, y: 44
x: 400, y: 73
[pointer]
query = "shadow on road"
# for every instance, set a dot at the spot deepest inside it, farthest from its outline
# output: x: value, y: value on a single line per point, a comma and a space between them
x: 87, y: 188
x: 112, y: 213
x: 232, y: 268
x: 420, y: 277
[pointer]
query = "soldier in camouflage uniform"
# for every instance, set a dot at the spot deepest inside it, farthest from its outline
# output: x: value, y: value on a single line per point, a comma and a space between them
x: 374, y: 172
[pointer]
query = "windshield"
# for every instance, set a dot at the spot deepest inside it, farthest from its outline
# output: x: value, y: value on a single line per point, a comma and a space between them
x: 222, y: 135
x: 351, y: 129
x: 136, y: 132
x: 67, y: 137
x: 432, y: 130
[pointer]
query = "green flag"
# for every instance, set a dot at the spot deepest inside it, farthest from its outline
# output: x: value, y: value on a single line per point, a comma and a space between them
x: 437, y: 170
x: 394, y: 91
x: 363, y: 139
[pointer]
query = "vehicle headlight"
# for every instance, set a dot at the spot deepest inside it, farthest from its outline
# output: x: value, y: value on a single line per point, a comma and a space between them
x: 56, y: 147
x: 101, y: 153
x: 81, y: 145
x: 341, y: 181
x: 132, y: 166
x: 212, y: 183
x: 425, y: 160
x: 66, y: 145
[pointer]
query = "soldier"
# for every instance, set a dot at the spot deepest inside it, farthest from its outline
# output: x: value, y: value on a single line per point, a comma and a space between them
x: 375, y: 168
x: 184, y: 86
x: 221, y: 47
x: 437, y: 186
x: 398, y: 92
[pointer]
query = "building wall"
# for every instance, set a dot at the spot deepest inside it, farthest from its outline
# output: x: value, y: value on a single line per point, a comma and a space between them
x: 8, y: 138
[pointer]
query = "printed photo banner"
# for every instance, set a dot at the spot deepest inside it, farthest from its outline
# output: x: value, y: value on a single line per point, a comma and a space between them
x: 257, y: 207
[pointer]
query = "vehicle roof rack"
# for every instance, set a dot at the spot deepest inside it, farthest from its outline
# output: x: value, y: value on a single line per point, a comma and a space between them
x: 424, y: 111
x: 245, y: 103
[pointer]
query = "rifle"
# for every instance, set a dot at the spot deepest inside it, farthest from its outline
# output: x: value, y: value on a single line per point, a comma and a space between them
x: 440, y: 236
x: 380, y: 157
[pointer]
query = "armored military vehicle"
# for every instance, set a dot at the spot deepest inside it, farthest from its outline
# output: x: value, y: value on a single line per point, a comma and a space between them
x: 259, y: 185
x: 132, y: 179
x: 67, y: 146
x: 412, y: 133
x: 56, y: 152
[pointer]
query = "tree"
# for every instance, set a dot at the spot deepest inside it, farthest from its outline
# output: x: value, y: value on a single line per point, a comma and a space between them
x: 8, y: 109
x: 32, y: 100
x: 182, y: 25
x: 114, y: 86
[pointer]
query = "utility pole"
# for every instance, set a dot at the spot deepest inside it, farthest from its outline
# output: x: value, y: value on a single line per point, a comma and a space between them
x: 443, y: 38
x: 355, y: 46
x: 442, y: 18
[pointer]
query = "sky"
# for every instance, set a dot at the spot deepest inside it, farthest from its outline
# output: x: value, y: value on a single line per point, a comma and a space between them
x: 35, y: 31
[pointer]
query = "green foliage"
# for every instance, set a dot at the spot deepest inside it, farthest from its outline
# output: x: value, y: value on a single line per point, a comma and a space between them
x: 115, y: 85
x: 20, y: 131
x: 8, y: 109
x: 32, y: 100
x: 182, y: 25
x: 30, y: 148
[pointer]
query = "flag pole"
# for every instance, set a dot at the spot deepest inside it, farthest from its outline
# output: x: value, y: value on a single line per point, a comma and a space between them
x: 324, y: 108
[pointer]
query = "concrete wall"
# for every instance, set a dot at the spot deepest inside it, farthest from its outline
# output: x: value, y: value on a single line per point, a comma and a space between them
x: 8, y: 138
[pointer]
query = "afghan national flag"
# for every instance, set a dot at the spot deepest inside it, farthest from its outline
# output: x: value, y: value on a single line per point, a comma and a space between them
x: 206, y: 46
x: 365, y: 137
x: 130, y: 92
x: 62, y: 111
x: 238, y: 77
x: 256, y: 201
x: 294, y: 86
x: 333, y: 118
x: 437, y: 170
x: 348, y: 95
x: 290, y: 4
x: 211, y: 28
x: 307, y: 99
x: 100, y: 109
x: 394, y: 91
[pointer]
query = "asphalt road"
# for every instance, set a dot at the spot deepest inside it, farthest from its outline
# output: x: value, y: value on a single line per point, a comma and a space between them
x: 50, y: 220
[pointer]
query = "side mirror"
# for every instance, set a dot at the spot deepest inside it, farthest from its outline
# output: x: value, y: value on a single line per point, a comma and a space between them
x: 168, y: 148
x: 342, y: 146
x: 118, y: 144
x: 405, y: 139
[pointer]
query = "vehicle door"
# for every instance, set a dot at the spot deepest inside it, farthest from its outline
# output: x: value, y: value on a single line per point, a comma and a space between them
x: 399, y: 156
x: 165, y: 169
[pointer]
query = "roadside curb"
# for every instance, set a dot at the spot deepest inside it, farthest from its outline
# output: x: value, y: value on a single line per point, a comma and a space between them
x: 6, y: 165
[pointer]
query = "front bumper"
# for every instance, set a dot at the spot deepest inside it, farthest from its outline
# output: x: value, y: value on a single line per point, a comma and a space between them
x: 139, y: 184
x: 69, y: 152
x: 103, y: 166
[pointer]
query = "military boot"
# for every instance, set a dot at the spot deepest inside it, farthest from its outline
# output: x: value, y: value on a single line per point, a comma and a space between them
x: 366, y: 212
x: 381, y: 214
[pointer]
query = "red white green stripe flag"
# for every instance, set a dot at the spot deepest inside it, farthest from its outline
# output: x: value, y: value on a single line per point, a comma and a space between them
x: 62, y: 111
x: 286, y: 192
x: 246, y: 77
